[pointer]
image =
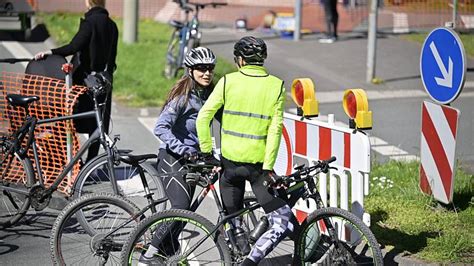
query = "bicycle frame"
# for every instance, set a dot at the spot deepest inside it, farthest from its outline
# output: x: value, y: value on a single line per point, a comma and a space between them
x: 295, y: 192
x: 30, y: 125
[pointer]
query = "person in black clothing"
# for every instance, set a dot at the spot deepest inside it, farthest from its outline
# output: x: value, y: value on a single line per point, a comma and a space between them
x: 332, y: 18
x: 94, y: 48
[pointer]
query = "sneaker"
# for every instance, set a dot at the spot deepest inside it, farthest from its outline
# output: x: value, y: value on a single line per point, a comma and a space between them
x: 327, y: 40
x: 146, y: 261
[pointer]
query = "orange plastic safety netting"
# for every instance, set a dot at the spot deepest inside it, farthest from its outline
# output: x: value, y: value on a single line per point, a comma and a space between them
x: 52, y: 138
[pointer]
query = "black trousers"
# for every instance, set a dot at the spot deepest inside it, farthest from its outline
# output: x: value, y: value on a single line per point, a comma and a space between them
x: 180, y: 195
x: 332, y: 17
x: 232, y: 186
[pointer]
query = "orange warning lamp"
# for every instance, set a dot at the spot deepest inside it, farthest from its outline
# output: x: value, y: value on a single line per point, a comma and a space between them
x: 302, y: 92
x: 356, y: 106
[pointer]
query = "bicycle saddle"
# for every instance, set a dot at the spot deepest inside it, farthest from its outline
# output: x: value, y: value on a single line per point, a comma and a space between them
x: 21, y: 100
x: 136, y: 159
x: 176, y: 24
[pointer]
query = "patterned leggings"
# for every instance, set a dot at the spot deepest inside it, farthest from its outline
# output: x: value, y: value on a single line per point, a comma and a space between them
x: 280, y: 226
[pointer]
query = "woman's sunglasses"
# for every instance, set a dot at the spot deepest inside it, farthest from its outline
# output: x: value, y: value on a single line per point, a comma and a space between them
x: 204, y: 68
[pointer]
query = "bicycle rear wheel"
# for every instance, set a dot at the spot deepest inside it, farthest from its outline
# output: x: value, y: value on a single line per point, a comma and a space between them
x: 282, y: 254
x: 96, y: 178
x: 193, y: 228
x: 71, y: 244
x: 172, y: 55
x: 13, y: 205
x: 355, y: 244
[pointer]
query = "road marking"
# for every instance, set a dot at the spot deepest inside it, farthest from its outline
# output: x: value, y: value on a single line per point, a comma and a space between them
x: 17, y: 50
x: 400, y: 23
x: 468, y: 84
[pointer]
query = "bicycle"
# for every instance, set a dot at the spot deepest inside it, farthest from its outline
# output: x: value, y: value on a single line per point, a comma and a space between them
x: 328, y: 235
x: 186, y: 36
x: 108, y: 240
x: 16, y: 198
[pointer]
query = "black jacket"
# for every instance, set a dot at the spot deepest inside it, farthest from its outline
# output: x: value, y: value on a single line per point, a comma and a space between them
x: 94, y: 47
x: 96, y: 43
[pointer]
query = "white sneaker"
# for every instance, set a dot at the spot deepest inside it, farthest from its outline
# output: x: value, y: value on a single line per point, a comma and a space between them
x: 327, y: 40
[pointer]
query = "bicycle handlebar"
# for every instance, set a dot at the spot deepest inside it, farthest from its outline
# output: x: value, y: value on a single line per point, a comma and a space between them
x: 323, y: 165
x: 15, y: 60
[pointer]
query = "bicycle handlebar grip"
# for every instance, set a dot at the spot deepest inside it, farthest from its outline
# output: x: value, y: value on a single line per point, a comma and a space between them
x: 330, y: 160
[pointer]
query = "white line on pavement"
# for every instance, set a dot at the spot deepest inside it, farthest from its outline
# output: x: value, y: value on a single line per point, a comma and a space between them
x: 468, y: 84
x: 17, y: 50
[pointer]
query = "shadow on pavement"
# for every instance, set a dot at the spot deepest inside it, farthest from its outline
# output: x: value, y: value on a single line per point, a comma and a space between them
x: 403, y: 244
x: 7, y: 248
x: 402, y: 78
x: 38, y: 34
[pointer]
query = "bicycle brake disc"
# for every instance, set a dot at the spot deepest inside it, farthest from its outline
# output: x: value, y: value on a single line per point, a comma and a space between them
x: 36, y: 193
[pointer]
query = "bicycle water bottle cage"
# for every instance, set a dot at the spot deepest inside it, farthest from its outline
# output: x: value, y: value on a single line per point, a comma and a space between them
x: 176, y: 24
x: 21, y: 100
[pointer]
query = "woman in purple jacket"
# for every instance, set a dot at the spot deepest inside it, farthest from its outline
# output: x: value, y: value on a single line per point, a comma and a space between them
x: 176, y: 126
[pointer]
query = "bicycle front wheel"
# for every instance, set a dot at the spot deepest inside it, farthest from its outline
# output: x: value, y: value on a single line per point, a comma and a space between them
x: 13, y: 205
x: 96, y: 178
x: 190, y: 242
x: 71, y: 244
x: 332, y: 236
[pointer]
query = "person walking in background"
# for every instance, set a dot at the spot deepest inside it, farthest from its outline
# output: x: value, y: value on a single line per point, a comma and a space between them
x: 251, y: 129
x: 94, y: 48
x: 176, y: 128
x: 332, y: 18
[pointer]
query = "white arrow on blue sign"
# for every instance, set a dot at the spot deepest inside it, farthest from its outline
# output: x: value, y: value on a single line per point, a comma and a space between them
x: 443, y: 65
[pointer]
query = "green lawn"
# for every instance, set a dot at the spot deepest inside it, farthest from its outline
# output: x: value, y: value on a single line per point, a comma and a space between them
x: 407, y: 221
x: 466, y: 38
x: 138, y: 80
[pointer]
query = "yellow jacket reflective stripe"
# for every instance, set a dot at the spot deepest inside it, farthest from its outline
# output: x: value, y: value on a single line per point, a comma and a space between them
x: 252, y: 119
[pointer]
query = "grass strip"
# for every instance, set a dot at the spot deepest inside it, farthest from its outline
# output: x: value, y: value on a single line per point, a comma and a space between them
x: 139, y: 79
x: 407, y: 221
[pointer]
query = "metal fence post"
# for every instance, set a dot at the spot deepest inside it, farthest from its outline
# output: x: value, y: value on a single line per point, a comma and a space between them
x: 297, y: 31
x: 455, y: 12
x: 130, y: 21
x: 372, y: 41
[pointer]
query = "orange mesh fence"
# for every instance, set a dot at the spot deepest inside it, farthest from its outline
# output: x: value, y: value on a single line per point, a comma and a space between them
x: 51, y: 139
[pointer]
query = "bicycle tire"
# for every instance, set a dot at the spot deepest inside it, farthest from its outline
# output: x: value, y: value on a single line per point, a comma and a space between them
x: 128, y: 180
x: 67, y: 232
x: 93, y: 178
x: 138, y: 240
x: 14, y: 206
x: 316, y: 247
x: 282, y: 254
x: 173, y: 55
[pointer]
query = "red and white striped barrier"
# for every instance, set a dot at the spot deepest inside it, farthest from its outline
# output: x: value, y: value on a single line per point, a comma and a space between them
x: 304, y: 142
x: 438, y: 144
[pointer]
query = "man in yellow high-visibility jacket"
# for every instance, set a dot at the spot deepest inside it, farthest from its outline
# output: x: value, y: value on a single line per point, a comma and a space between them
x: 252, y: 121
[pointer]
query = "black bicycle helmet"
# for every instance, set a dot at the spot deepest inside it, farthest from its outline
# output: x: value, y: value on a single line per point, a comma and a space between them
x: 199, y: 56
x: 253, y: 50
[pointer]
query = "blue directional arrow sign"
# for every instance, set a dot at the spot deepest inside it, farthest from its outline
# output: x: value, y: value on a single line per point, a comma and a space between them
x: 443, y: 65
